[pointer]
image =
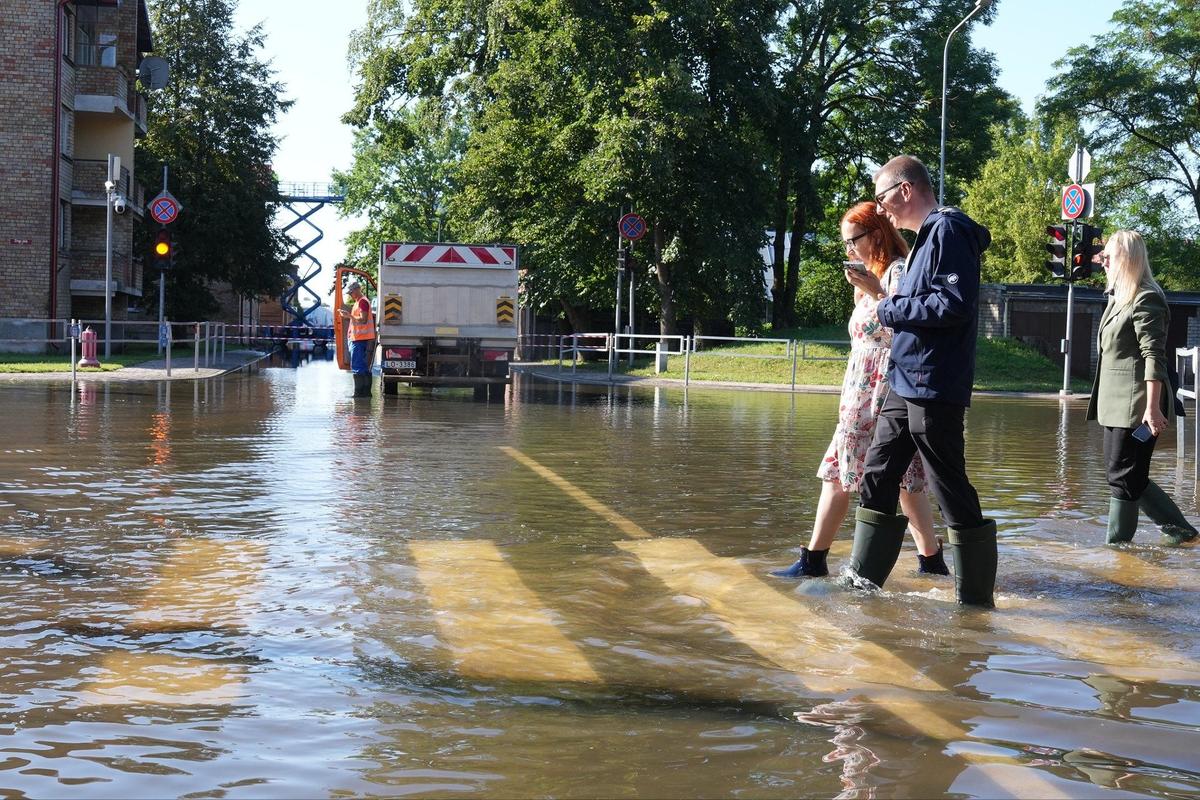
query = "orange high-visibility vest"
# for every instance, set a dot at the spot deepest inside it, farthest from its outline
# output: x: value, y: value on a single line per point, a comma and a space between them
x: 362, y: 321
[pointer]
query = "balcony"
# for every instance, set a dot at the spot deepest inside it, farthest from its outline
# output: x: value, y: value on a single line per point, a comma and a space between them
x: 103, y: 90
x: 87, y: 186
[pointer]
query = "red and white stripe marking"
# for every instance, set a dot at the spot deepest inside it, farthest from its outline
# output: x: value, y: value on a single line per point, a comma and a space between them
x: 410, y: 254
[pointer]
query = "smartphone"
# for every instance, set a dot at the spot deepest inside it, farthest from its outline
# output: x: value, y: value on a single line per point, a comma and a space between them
x: 1142, y: 433
x: 857, y: 266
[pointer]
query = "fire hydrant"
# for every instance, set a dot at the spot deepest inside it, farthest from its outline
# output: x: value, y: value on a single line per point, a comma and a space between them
x: 88, y: 340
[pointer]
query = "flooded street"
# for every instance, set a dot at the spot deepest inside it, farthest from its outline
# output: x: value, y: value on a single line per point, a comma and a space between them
x: 255, y: 587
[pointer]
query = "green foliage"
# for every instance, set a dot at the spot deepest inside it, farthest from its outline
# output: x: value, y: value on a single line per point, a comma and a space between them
x: 404, y: 171
x: 1136, y: 89
x: 212, y: 126
x: 859, y: 81
x: 1016, y: 195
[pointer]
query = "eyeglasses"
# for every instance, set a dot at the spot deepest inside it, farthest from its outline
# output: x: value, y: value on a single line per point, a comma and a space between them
x: 879, y: 197
x: 850, y: 242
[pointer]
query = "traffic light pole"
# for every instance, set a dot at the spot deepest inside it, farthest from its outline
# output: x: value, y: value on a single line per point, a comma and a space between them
x: 162, y: 278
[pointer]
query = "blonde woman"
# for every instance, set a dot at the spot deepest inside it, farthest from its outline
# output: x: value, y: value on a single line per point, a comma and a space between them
x: 1131, y: 394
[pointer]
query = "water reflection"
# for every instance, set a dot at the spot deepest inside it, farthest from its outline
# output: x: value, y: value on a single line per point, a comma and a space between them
x: 260, y: 585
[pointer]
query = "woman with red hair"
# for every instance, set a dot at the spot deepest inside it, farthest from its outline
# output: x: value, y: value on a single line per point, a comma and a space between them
x: 872, y: 241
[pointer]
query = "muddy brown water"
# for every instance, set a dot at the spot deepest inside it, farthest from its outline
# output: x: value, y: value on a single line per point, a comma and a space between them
x: 256, y: 587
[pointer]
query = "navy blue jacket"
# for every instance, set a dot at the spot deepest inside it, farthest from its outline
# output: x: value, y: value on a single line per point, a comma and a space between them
x: 934, y: 314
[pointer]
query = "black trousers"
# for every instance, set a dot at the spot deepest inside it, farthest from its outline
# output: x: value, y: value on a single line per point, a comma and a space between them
x: 1127, y: 462
x: 935, y: 430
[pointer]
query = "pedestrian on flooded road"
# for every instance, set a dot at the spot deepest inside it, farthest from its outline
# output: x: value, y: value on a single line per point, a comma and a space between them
x: 934, y: 315
x: 1131, y: 396
x: 362, y: 338
x: 874, y: 243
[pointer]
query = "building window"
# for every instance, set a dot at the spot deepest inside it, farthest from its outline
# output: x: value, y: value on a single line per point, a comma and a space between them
x: 95, y: 43
x: 66, y: 121
x: 66, y: 33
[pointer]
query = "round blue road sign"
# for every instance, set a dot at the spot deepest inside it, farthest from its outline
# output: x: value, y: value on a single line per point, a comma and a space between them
x: 632, y: 227
x: 1073, y: 201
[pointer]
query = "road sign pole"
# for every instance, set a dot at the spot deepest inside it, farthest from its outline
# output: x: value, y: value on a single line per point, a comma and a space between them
x: 1069, y: 268
x: 632, y: 330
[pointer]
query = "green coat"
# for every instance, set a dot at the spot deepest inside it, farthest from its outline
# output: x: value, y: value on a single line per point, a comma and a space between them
x: 1133, y: 350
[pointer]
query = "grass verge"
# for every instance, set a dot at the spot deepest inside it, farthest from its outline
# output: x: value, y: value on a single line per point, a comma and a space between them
x: 53, y: 362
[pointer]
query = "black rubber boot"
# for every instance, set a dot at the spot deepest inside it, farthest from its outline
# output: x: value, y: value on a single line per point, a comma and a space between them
x: 362, y: 384
x: 810, y: 565
x: 1122, y: 520
x: 973, y: 551
x: 878, y: 538
x: 1159, y: 507
x: 934, y: 564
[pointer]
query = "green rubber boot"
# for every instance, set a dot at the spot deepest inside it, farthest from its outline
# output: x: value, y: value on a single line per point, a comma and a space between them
x: 974, y: 554
x: 878, y: 538
x: 1159, y: 507
x: 1122, y: 520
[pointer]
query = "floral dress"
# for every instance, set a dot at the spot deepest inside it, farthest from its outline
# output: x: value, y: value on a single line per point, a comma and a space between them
x: 863, y: 391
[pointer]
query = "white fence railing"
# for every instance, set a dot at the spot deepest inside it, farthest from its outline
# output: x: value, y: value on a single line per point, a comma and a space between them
x: 576, y: 346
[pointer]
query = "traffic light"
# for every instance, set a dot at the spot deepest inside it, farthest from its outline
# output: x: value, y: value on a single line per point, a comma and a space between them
x: 1085, y: 254
x: 1057, y: 248
x: 624, y: 257
x: 630, y: 262
x: 164, y: 250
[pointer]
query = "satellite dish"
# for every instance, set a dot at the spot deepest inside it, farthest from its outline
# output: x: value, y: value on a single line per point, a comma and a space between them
x: 153, y: 72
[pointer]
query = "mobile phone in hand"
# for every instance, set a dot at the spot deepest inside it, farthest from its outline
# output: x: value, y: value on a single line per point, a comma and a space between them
x: 1142, y: 433
x: 856, y: 266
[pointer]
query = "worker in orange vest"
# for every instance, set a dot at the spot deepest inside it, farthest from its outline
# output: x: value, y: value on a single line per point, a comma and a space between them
x: 362, y: 338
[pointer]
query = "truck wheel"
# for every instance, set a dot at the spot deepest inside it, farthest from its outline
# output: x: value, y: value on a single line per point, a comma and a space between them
x: 391, y: 387
x: 496, y: 392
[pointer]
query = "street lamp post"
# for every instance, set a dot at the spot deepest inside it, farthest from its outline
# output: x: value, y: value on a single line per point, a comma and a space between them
x: 980, y: 5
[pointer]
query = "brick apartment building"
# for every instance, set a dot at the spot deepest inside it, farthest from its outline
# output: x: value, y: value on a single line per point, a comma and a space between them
x: 68, y: 98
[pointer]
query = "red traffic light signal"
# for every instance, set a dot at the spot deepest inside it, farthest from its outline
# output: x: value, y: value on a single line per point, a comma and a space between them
x: 1057, y: 248
x: 1086, y: 252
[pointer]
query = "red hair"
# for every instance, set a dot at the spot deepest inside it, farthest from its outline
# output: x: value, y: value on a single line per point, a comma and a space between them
x: 886, y: 241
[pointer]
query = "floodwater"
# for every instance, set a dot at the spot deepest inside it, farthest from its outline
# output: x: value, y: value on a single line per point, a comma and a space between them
x: 255, y: 587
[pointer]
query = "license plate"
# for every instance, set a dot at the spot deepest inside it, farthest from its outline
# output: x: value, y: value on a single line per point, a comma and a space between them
x: 399, y: 365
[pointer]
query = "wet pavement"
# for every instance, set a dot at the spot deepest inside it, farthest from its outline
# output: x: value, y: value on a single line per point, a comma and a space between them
x: 254, y: 586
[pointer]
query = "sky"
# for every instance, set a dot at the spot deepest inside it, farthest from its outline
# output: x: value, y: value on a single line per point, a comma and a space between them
x: 307, y: 41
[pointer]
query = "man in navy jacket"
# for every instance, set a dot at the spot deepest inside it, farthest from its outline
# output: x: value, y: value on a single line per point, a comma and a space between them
x: 934, y: 319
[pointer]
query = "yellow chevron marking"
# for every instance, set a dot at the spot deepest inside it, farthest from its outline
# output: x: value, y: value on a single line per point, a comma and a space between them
x: 626, y: 525
x: 494, y: 624
x: 505, y: 309
x: 393, y: 308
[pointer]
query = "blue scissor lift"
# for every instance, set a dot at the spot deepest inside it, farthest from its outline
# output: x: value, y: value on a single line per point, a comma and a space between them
x: 304, y: 200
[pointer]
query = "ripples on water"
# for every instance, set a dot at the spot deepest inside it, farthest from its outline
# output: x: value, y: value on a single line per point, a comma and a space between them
x: 255, y: 587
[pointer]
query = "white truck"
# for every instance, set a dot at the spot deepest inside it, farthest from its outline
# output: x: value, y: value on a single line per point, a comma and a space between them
x: 447, y: 315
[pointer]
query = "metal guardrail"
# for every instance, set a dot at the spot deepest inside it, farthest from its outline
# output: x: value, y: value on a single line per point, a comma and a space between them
x: 577, y: 344
x: 1187, y: 361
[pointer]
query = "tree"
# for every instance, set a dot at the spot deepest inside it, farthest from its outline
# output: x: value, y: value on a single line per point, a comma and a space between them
x: 575, y: 110
x: 402, y: 178
x: 859, y: 81
x: 1136, y: 89
x: 212, y: 126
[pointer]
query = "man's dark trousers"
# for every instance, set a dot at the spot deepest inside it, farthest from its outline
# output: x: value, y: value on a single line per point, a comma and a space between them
x: 935, y: 430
